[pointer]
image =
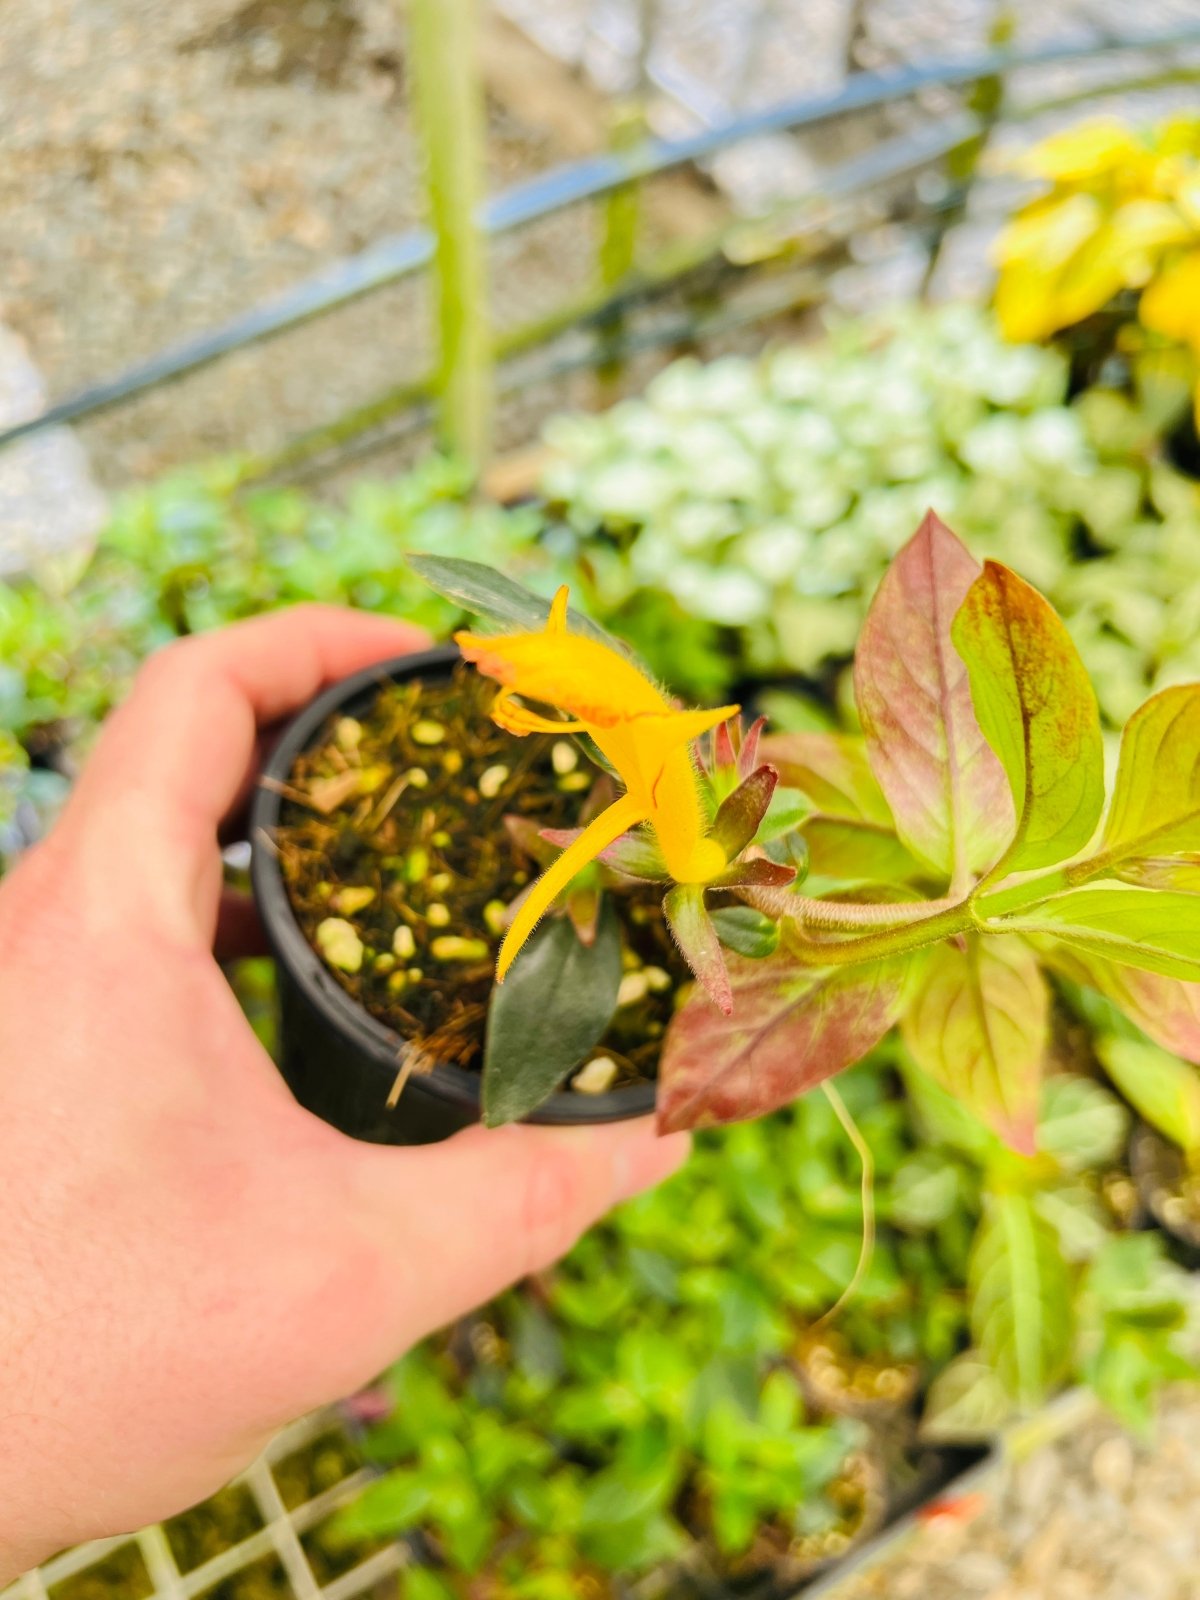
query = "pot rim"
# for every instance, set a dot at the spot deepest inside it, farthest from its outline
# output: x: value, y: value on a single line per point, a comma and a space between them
x: 380, y: 1045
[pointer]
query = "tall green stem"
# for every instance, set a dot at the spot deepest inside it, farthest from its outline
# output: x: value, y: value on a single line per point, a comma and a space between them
x: 448, y: 100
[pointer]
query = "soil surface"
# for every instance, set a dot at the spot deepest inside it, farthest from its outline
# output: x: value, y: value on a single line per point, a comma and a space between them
x: 407, y: 839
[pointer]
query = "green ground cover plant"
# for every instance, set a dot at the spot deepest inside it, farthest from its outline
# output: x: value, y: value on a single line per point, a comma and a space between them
x: 735, y: 521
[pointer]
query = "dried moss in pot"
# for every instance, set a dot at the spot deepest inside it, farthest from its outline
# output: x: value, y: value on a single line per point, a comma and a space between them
x: 407, y: 836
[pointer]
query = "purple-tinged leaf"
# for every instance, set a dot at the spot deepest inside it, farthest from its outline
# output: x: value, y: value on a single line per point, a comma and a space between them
x: 724, y: 755
x: 530, y: 840
x: 946, y: 788
x: 790, y: 1029
x: 756, y: 874
x: 832, y: 770
x: 747, y: 758
x: 977, y: 1024
x: 740, y: 813
x: 691, y: 926
x: 1166, y: 1009
x: 1037, y: 708
x: 634, y: 855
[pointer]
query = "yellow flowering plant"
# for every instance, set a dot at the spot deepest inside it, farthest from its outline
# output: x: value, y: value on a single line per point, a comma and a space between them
x: 956, y: 854
x: 1117, y: 232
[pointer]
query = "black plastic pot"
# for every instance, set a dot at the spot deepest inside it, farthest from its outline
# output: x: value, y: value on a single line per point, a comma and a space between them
x: 339, y: 1061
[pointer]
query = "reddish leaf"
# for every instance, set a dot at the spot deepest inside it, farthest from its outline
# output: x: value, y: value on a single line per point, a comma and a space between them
x: 747, y: 758
x: 530, y: 840
x: 756, y: 874
x: 740, y: 813
x: 833, y: 771
x: 724, y: 755
x: 947, y: 789
x: 791, y: 1028
x: 691, y: 925
x: 634, y: 855
x: 1166, y: 1009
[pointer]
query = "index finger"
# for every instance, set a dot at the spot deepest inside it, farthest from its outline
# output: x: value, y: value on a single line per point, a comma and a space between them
x: 173, y: 759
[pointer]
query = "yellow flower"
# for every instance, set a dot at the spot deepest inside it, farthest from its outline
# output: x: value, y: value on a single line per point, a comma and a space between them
x: 643, y: 737
x: 1171, y: 304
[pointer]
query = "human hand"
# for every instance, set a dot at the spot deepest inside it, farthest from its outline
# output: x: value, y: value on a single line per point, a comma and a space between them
x: 188, y: 1258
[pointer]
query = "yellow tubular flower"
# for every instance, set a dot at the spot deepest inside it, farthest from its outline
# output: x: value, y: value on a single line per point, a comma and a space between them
x: 645, y: 740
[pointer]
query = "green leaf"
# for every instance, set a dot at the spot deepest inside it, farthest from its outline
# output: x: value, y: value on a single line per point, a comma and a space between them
x: 790, y: 1028
x: 1078, y: 1217
x: 1156, y: 799
x: 1155, y: 930
x: 1038, y: 712
x: 1081, y: 1125
x: 483, y: 592
x: 391, y: 1505
x: 748, y: 932
x: 966, y: 1401
x: 856, y: 852
x: 554, y: 1007
x: 946, y: 787
x: 833, y: 771
x: 1160, y: 1087
x: 1180, y: 872
x: 924, y: 1191
x: 978, y: 1025
x: 1020, y: 1290
x: 692, y: 929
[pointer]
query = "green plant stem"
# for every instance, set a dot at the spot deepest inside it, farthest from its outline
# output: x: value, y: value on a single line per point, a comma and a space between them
x: 1042, y: 886
x: 448, y: 99
x: 879, y: 945
x: 867, y: 1162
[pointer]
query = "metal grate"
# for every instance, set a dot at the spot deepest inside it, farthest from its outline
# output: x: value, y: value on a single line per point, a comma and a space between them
x: 281, y: 1536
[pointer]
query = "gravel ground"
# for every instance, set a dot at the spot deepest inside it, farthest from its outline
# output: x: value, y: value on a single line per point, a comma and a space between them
x: 164, y: 167
x: 1092, y: 1516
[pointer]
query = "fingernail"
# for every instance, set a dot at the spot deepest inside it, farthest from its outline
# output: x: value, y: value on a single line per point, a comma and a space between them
x: 645, y: 1159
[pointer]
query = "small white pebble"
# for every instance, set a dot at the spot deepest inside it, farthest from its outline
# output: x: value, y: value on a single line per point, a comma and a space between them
x: 437, y: 915
x: 495, y: 915
x: 428, y: 732
x: 492, y: 781
x: 596, y: 1076
x: 417, y: 777
x: 452, y: 948
x: 574, y: 783
x: 404, y: 946
x: 339, y: 944
x: 564, y: 757
x: 657, y: 980
x: 347, y: 733
x: 634, y: 987
x: 353, y: 898
x: 452, y: 763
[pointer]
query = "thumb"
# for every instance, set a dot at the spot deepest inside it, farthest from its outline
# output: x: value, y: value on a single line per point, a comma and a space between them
x: 464, y: 1219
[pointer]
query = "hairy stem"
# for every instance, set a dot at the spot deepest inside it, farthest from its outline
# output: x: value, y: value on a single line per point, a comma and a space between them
x: 880, y: 943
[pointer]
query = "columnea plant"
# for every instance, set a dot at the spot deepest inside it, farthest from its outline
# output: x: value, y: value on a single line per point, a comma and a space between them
x: 954, y: 853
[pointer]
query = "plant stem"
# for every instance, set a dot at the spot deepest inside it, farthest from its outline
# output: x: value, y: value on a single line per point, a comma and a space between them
x: 1042, y: 885
x: 884, y: 942
x: 448, y: 98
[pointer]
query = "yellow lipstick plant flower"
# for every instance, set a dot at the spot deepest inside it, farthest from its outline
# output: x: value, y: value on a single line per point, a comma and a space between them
x: 643, y: 737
